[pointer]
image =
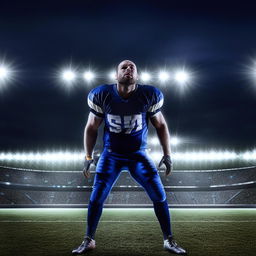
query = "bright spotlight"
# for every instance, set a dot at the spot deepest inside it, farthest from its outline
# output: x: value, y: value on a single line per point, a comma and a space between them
x: 175, y: 141
x: 68, y: 75
x: 69, y: 156
x: 253, y: 70
x: 154, y: 141
x: 156, y: 156
x: 7, y: 74
x: 250, y: 72
x: 163, y: 76
x: 145, y: 77
x: 206, y: 156
x: 88, y: 76
x: 4, y: 73
x: 181, y: 77
x: 249, y: 155
x: 112, y: 75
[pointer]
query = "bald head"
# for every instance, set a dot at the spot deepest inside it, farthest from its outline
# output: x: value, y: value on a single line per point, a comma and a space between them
x: 126, y: 72
x: 126, y: 62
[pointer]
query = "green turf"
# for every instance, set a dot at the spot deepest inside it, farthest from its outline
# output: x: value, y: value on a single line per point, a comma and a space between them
x: 127, y: 232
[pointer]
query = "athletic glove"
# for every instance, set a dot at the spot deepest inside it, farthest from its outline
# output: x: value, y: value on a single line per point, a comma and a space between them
x: 168, y: 163
x: 87, y: 163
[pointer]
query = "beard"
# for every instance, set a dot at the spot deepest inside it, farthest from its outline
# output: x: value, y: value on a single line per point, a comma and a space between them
x: 127, y: 80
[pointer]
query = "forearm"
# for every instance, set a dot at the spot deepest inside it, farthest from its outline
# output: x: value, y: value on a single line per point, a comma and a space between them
x: 90, y: 137
x: 164, y: 138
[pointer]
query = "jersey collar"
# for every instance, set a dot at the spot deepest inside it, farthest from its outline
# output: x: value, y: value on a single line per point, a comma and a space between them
x: 123, y: 99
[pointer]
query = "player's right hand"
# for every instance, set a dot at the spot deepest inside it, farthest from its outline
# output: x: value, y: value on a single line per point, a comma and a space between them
x: 87, y: 165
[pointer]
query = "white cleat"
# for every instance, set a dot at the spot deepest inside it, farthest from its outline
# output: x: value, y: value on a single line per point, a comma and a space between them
x: 171, y: 246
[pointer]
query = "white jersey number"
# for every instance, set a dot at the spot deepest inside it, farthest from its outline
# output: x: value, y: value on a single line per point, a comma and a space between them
x: 129, y: 123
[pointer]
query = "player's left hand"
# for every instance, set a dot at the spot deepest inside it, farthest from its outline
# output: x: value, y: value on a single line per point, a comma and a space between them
x: 167, y: 161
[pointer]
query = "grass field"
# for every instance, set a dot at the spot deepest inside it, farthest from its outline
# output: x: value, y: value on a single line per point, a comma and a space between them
x: 127, y: 232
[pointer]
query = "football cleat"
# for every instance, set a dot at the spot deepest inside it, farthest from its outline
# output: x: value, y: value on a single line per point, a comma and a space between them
x: 87, y: 245
x: 171, y: 246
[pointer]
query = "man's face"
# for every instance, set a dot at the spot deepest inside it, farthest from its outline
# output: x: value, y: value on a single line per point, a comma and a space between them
x: 127, y: 72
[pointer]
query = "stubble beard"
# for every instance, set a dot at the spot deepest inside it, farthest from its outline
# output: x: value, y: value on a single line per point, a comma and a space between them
x: 127, y: 81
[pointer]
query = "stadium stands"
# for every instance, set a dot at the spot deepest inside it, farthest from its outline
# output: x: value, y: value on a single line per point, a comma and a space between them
x: 184, y: 187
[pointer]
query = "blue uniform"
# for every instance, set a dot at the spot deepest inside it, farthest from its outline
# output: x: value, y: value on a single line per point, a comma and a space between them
x: 126, y: 120
x: 125, y: 143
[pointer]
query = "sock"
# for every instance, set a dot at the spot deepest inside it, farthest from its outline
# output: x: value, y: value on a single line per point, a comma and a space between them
x: 163, y: 216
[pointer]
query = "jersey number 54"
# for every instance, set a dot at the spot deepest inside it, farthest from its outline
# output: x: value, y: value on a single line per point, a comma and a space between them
x: 125, y: 124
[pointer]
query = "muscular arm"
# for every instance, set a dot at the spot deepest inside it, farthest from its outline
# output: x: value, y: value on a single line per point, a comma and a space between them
x: 161, y: 127
x: 91, y: 133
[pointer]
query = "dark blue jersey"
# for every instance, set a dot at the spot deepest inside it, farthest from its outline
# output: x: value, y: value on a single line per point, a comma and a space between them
x: 126, y: 120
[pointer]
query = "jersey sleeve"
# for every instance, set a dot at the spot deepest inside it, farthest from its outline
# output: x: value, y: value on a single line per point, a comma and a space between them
x: 95, y: 103
x: 157, y: 102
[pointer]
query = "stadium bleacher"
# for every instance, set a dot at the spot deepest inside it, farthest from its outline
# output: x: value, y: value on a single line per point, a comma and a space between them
x: 20, y: 186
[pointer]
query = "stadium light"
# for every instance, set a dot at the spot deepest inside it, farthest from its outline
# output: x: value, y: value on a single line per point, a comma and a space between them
x: 112, y: 75
x: 4, y: 73
x: 48, y: 156
x: 156, y: 156
x: 153, y: 141
x: 175, y: 141
x: 163, y: 76
x: 69, y: 156
x: 181, y: 77
x: 145, y: 77
x: 249, y: 155
x: 206, y: 156
x: 68, y: 75
x: 252, y: 70
x: 88, y: 76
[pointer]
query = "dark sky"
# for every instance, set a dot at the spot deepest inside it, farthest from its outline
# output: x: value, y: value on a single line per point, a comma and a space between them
x: 216, y: 41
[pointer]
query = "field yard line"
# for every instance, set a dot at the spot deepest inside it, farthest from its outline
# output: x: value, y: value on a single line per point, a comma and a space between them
x: 127, y: 221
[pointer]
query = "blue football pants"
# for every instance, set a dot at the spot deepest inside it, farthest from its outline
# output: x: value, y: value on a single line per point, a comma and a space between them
x: 143, y: 171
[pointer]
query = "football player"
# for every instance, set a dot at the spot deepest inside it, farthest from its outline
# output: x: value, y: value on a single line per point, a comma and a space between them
x: 126, y: 107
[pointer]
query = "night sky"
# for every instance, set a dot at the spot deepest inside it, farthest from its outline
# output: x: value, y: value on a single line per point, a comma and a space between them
x: 217, y: 42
